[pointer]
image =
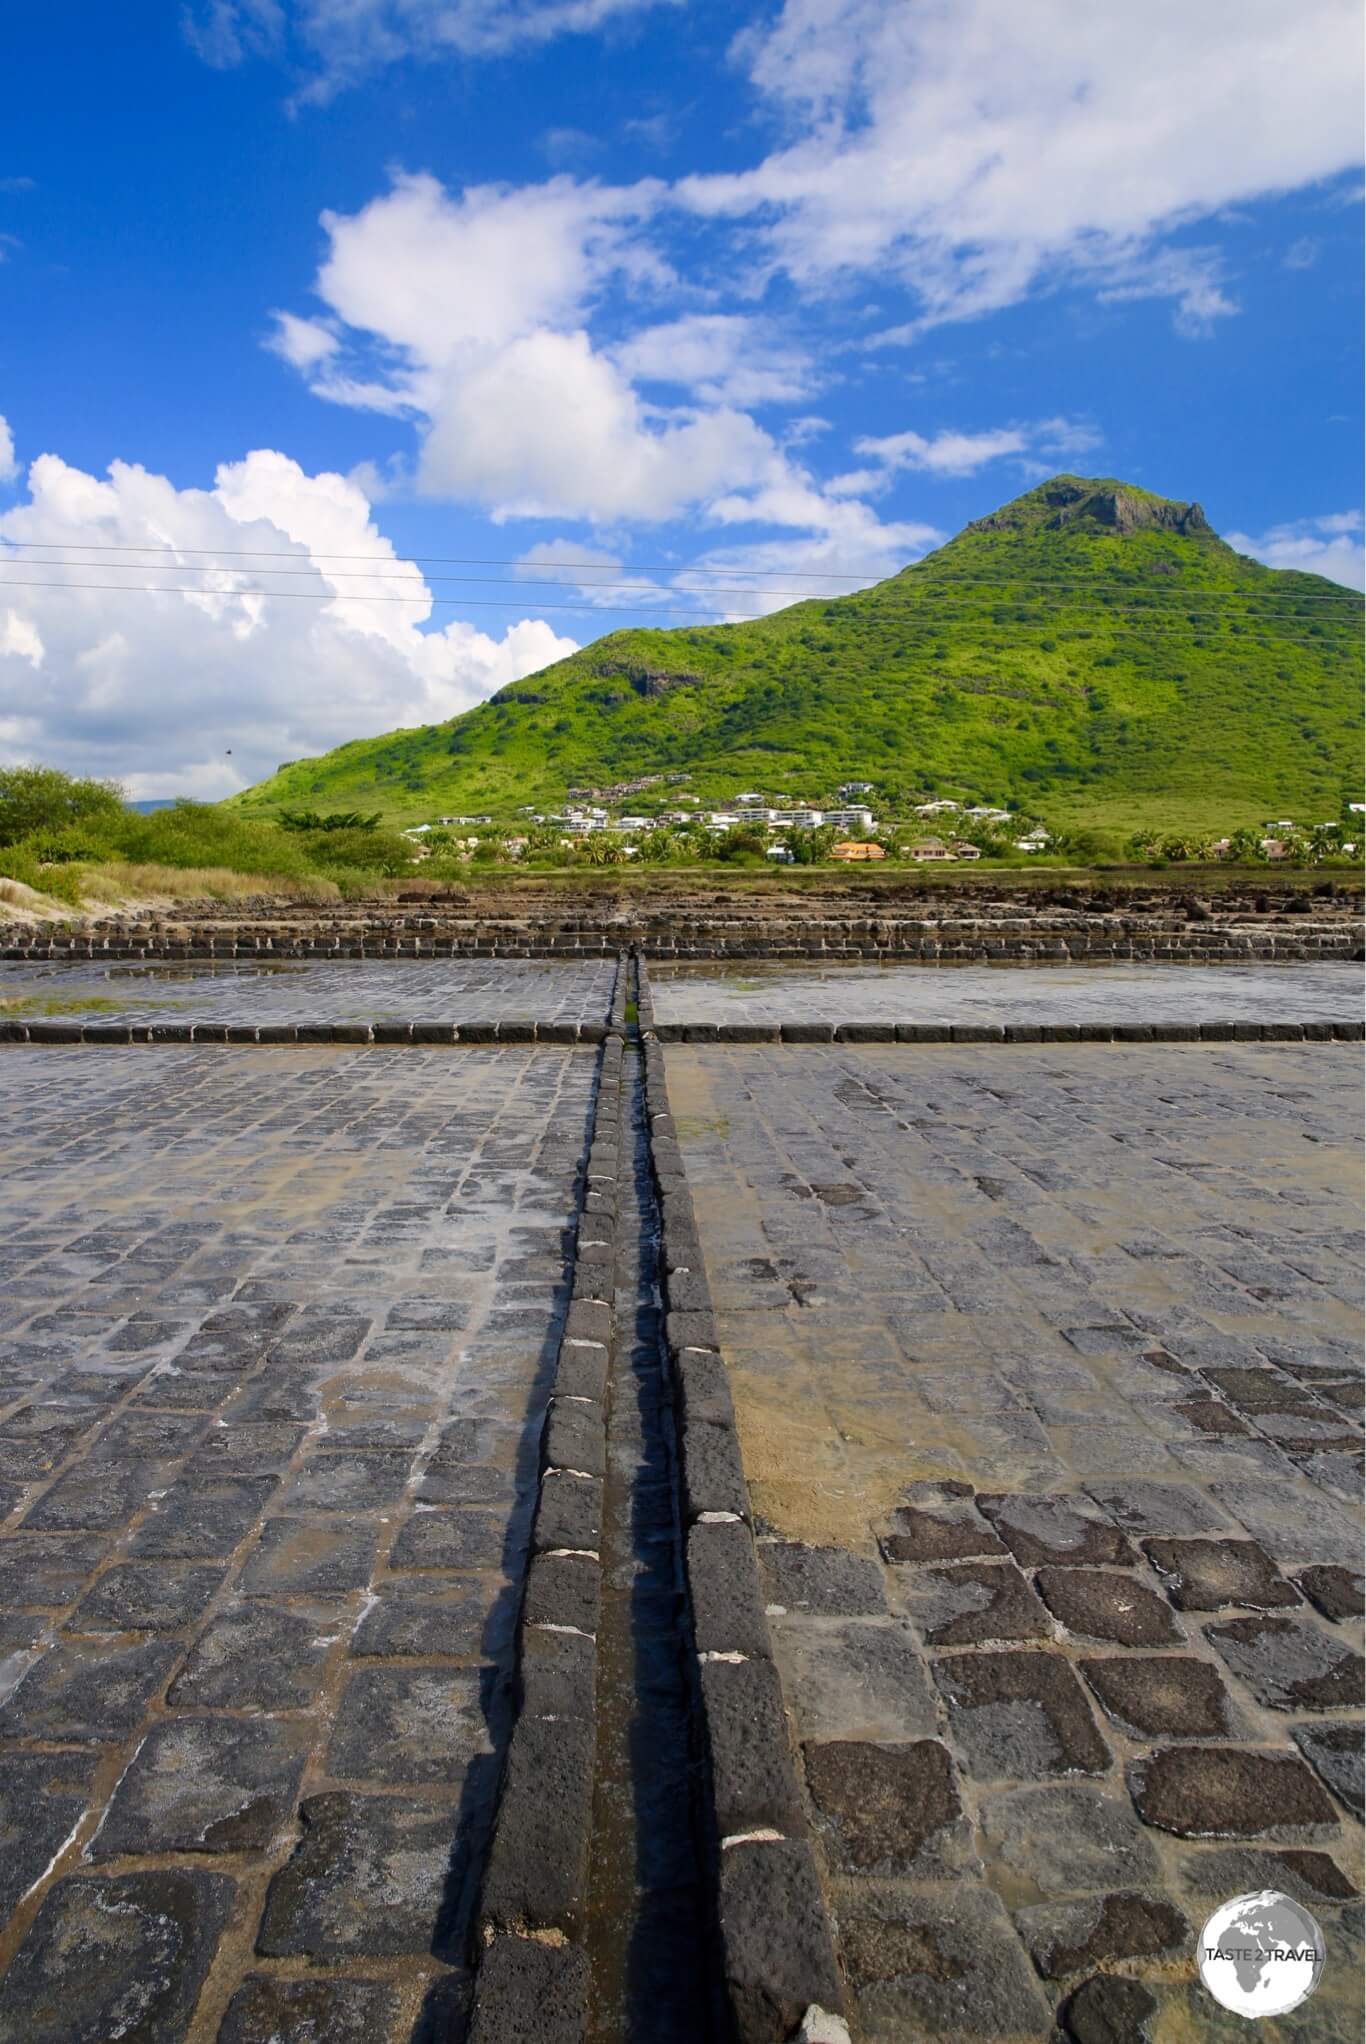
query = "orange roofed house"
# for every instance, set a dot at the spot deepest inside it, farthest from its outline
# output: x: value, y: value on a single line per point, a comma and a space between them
x: 855, y: 848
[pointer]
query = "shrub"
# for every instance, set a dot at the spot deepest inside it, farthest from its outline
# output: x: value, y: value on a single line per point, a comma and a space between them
x: 38, y: 798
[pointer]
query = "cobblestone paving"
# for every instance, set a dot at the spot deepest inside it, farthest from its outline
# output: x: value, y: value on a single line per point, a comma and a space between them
x: 983, y: 993
x: 354, y: 990
x: 1049, y: 1390
x: 275, y: 1335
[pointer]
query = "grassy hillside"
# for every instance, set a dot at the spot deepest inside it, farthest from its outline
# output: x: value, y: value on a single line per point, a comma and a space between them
x: 1093, y: 651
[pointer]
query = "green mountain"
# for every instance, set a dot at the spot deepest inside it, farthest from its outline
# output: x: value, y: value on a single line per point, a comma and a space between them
x: 1092, y: 651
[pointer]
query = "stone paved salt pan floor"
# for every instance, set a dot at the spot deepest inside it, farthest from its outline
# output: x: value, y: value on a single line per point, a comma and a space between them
x: 982, y: 993
x: 276, y: 1333
x: 1048, y: 1382
x: 357, y: 990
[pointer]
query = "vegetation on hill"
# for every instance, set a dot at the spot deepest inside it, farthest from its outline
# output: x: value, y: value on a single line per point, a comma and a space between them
x: 1090, y: 651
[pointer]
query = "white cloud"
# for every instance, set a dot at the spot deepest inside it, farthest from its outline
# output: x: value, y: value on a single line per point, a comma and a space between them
x: 9, y: 467
x: 950, y: 453
x: 155, y: 688
x: 723, y: 358
x: 980, y: 149
x: 1330, y: 546
x: 339, y: 41
x: 472, y: 311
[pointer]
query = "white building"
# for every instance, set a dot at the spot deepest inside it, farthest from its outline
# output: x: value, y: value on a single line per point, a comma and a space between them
x: 851, y: 788
x: 936, y: 808
x: 857, y: 818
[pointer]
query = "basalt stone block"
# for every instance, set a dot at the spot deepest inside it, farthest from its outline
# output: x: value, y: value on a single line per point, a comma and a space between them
x: 922, y: 1032
x: 342, y: 1482
x: 203, y: 1516
x: 41, y: 1797
x: 1228, y: 1792
x: 274, y: 1032
x: 937, y: 1965
x: 158, y: 1596
x: 977, y: 1032
x: 54, y: 1032
x: 528, y: 1992
x: 953, y: 1532
x: 1042, y: 1527
x: 392, y: 1032
x: 752, y: 1779
x: 569, y: 1512
x: 728, y: 1614
x: 268, y: 2010
x: 807, y: 1032
x: 703, y: 1387
x: 310, y: 1558
x: 1163, y: 1696
x: 445, y: 1032
x: 1290, y: 1663
x: 537, y: 1875
x: 257, y: 1657
x: 799, y: 1577
x: 588, y: 1321
x: 575, y: 1437
x: 698, y: 1032
x: 691, y: 1330
x: 1020, y: 1716
x: 973, y: 1603
x: 1309, y: 1876
x: 408, y: 1724
x: 885, y: 1809
x: 370, y: 1877
x: 92, y: 1499
x: 436, y: 1538
x: 862, y: 1678
x: 777, y: 1957
x: 1104, y: 1604
x: 417, y: 1616
x: 117, y: 1032
x: 689, y: 1291
x: 744, y: 1032
x: 1069, y: 1839
x: 1072, y: 1937
x: 1336, y: 1592
x: 119, y: 1956
x: 581, y: 1371
x: 1140, y: 1506
x: 1109, y: 2010
x: 1095, y: 1032
x: 1202, y: 1575
x: 713, y: 1474
x: 563, y: 1589
x: 556, y: 1674
x: 1334, y: 1751
x: 206, y: 1785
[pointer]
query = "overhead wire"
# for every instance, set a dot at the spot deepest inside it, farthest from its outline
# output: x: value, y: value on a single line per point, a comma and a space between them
x: 869, y: 576
x: 1138, y: 600
x: 886, y: 614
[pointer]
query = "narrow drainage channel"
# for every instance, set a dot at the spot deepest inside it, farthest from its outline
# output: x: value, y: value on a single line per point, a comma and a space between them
x: 647, y: 1905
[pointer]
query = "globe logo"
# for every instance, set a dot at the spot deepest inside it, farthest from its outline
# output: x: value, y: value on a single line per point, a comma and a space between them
x: 1261, y: 1955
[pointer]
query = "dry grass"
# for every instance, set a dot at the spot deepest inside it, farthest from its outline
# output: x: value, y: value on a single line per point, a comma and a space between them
x: 27, y: 905
x: 124, y: 886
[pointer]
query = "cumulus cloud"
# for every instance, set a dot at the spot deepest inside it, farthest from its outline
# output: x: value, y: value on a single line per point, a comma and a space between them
x: 101, y: 676
x: 980, y: 149
x: 473, y: 311
x: 1330, y: 545
x: 332, y: 43
x: 9, y: 467
x: 951, y: 453
x: 722, y: 358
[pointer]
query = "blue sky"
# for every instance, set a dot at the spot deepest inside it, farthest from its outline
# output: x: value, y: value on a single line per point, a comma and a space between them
x: 301, y: 295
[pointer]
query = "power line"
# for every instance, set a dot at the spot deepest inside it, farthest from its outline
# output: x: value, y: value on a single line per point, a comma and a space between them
x: 905, y: 613
x: 660, y: 568
x: 1249, y: 602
